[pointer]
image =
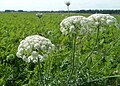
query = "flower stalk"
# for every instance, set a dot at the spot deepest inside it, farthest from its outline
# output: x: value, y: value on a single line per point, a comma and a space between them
x: 73, y: 50
x: 68, y: 4
x: 39, y: 15
x: 39, y: 73
x: 97, y: 37
x: 68, y: 9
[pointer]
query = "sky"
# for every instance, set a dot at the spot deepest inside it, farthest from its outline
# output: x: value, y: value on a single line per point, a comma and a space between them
x: 56, y: 5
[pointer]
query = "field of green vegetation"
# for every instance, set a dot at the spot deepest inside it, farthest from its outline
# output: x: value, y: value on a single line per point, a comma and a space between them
x: 98, y: 66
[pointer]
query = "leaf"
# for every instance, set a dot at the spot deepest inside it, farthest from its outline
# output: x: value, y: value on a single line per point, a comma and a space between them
x: 101, y: 41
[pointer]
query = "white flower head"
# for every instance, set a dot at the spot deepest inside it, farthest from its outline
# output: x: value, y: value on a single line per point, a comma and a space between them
x: 34, y: 54
x: 24, y: 58
x: 72, y: 29
x: 33, y: 46
x: 101, y: 19
x: 43, y: 47
x: 70, y: 24
x: 64, y: 31
x: 28, y: 48
x: 39, y: 15
x: 29, y: 59
x: 67, y: 3
x: 37, y: 46
x: 51, y: 48
x: 82, y: 31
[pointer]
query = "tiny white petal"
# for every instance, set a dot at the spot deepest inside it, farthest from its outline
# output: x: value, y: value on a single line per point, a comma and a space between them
x: 43, y: 47
x: 37, y: 46
x: 34, y: 54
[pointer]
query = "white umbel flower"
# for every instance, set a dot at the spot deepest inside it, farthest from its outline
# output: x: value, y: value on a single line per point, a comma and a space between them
x: 39, y: 15
x: 34, y: 47
x: 70, y: 24
x: 72, y: 29
x: 37, y: 46
x: 34, y: 54
x: 101, y: 19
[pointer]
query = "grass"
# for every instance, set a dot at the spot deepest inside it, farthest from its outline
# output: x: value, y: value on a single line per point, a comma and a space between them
x: 101, y: 67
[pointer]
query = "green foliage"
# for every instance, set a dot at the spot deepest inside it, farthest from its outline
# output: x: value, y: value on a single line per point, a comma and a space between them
x: 101, y: 68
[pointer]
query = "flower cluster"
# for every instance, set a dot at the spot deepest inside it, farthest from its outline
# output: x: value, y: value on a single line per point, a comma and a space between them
x: 39, y: 15
x: 69, y: 24
x: 67, y: 3
x: 101, y: 19
x: 34, y: 47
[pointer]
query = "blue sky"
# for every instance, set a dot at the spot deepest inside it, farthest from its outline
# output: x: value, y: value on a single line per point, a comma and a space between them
x: 41, y: 5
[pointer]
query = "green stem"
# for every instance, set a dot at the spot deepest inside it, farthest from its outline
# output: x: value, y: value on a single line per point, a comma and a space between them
x: 97, y: 37
x: 96, y: 43
x: 68, y: 9
x: 87, y: 58
x: 41, y: 24
x: 73, y: 57
x: 73, y: 52
x: 39, y: 72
